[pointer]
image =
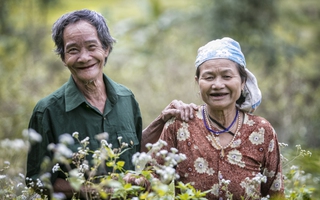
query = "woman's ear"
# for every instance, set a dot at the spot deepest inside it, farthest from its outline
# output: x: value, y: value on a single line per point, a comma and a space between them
x: 196, y: 79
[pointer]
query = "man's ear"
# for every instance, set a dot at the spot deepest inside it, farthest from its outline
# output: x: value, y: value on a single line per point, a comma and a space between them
x: 196, y: 79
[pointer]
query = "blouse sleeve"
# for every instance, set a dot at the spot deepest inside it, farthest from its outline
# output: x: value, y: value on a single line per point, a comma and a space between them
x: 272, y: 168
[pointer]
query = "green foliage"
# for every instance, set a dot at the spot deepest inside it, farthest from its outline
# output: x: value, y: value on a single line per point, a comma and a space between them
x: 156, y: 49
x: 140, y: 183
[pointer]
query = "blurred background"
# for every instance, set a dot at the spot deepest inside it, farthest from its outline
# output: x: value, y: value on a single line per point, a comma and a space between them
x: 157, y: 42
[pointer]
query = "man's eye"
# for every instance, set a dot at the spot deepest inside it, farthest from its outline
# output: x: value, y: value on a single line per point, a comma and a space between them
x: 92, y: 47
x: 209, y: 78
x: 72, y: 51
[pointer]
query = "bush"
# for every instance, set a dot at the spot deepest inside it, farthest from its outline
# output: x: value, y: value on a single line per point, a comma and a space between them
x: 121, y: 184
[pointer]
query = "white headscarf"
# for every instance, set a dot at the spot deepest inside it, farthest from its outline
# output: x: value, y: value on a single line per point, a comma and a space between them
x: 230, y: 49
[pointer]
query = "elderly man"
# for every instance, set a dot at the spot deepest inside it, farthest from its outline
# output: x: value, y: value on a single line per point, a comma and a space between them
x: 90, y: 102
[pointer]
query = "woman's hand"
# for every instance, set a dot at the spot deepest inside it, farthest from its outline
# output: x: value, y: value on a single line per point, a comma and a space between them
x: 180, y: 110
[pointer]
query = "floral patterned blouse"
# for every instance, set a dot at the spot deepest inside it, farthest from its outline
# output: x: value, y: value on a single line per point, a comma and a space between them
x: 253, y: 151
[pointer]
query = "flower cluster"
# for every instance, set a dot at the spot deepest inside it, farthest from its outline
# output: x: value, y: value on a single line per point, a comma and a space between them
x: 149, y: 180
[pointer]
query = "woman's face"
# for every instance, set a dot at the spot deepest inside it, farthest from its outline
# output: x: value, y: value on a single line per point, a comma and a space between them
x: 220, y: 84
x: 84, y: 55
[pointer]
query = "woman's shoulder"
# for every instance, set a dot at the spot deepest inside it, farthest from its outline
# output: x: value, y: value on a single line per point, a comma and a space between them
x: 256, y: 120
x: 258, y: 123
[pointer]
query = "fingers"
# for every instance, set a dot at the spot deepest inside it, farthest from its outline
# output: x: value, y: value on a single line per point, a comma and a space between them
x: 169, y: 113
x: 180, y: 110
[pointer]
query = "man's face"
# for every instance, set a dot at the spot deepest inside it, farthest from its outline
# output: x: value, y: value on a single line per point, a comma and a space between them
x: 84, y: 55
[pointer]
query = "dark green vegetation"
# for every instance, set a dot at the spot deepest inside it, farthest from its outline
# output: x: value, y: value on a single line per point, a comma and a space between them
x: 157, y: 42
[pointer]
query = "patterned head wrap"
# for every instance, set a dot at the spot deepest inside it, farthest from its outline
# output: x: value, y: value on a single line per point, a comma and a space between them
x: 230, y: 49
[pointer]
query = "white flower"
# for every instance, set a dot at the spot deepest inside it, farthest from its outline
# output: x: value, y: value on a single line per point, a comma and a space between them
x: 85, y: 140
x: 215, y: 189
x: 21, y: 175
x: 55, y: 168
x: 83, y: 167
x: 174, y: 150
x: 3, y: 177
x: 201, y: 165
x: 163, y: 152
x: 102, y: 136
x: 33, y: 136
x: 66, y: 139
x: 51, y: 147
x: 75, y: 135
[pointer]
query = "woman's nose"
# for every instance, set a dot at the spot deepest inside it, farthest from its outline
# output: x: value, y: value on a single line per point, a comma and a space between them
x: 217, y: 83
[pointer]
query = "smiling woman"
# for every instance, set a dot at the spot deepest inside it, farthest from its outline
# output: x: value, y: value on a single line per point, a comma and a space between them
x: 225, y: 143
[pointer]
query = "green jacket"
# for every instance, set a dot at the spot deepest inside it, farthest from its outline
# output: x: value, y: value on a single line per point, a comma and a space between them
x: 67, y: 111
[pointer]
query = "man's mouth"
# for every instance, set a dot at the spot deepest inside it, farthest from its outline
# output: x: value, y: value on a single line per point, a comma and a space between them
x: 86, y: 67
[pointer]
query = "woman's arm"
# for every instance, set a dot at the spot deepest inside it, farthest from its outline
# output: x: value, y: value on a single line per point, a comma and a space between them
x: 176, y: 108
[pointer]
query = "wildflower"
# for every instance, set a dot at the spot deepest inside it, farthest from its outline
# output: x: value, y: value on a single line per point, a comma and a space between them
x: 2, y: 177
x: 39, y: 183
x: 51, y: 147
x: 55, y: 168
x: 34, y: 137
x: 85, y: 140
x: 83, y: 167
x: 75, y: 135
x: 59, y: 196
x: 282, y: 144
x: 124, y: 144
x: 19, y: 185
x: 149, y: 145
x: 21, y: 176
x: 174, y: 150
x: 66, y: 139
x: 163, y: 152
x: 7, y: 163
x: 64, y: 150
x: 102, y: 136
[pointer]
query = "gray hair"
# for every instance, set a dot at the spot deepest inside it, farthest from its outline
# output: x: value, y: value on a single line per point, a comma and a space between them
x: 92, y: 17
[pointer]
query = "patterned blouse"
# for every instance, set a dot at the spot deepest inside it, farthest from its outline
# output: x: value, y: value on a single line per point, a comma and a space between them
x: 253, y: 151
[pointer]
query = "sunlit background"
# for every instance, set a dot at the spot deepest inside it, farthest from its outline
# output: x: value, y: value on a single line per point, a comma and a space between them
x: 157, y: 42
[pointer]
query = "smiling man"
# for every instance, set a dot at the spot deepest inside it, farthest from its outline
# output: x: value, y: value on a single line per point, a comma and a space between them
x: 90, y: 102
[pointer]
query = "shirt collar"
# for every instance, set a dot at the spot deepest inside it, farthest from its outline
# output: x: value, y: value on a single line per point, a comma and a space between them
x: 75, y: 98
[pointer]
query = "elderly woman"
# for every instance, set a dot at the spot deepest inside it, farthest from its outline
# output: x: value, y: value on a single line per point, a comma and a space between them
x: 225, y: 144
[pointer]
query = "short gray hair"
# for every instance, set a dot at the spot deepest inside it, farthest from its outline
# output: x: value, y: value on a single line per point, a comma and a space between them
x: 92, y: 17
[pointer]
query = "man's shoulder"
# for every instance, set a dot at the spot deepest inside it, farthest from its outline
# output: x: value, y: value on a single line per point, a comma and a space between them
x: 120, y: 89
x: 54, y: 99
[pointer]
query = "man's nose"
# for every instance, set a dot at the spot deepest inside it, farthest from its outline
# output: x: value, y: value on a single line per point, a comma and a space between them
x: 84, y: 56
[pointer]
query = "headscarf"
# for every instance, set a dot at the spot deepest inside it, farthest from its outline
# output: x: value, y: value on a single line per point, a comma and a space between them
x: 230, y: 49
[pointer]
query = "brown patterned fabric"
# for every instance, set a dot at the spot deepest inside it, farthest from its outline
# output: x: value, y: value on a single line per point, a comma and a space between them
x: 254, y: 150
